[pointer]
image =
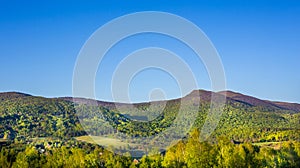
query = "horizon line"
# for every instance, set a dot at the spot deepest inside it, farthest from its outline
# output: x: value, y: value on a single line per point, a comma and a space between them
x: 137, y: 102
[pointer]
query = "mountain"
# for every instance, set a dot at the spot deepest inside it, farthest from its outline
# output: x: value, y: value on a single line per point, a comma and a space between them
x: 245, y: 118
x: 288, y: 106
x: 12, y: 95
x: 252, y: 101
x: 205, y: 97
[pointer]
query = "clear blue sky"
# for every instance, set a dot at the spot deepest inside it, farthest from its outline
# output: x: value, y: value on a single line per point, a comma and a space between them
x: 258, y: 42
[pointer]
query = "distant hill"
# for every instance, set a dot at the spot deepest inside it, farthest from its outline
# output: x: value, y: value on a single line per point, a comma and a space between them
x: 262, y: 103
x: 205, y: 97
x: 12, y: 95
x: 290, y: 106
x: 244, y: 118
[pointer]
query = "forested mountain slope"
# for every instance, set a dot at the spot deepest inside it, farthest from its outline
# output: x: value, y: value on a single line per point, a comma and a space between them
x: 245, y: 118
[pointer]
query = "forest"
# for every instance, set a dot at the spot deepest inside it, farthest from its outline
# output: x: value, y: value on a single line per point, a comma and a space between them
x: 186, y: 153
x: 46, y: 132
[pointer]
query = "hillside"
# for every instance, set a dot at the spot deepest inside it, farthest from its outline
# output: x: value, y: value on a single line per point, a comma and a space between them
x: 262, y: 103
x: 205, y: 97
x: 38, y: 132
x: 245, y: 118
x: 12, y: 95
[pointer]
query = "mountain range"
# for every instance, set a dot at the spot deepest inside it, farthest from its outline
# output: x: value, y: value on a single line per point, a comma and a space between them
x: 245, y: 118
x: 205, y: 96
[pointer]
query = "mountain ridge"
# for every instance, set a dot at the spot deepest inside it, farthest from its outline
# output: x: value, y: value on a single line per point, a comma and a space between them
x: 259, y: 102
x: 24, y: 115
x: 12, y: 95
x: 205, y: 96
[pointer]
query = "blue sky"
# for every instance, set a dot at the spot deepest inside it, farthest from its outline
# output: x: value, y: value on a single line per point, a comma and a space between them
x: 258, y: 42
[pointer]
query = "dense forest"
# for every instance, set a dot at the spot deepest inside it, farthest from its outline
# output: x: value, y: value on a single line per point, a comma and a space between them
x: 186, y: 153
x: 47, y: 132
